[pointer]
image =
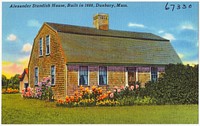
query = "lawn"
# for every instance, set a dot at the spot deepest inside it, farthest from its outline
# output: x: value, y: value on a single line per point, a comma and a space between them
x: 16, y: 110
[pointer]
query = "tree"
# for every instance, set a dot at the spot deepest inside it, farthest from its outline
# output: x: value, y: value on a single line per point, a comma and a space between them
x: 15, y: 81
x: 4, y: 81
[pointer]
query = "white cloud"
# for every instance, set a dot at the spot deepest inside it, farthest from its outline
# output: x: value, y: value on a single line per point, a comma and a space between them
x: 180, y: 55
x: 187, y: 26
x: 27, y: 47
x: 12, y: 37
x: 161, y: 31
x: 33, y: 23
x: 135, y: 25
x: 169, y: 36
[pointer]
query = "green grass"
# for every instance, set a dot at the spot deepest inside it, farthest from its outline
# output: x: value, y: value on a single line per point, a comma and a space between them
x: 16, y: 110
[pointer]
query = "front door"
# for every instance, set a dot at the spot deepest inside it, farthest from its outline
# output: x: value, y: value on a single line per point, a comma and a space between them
x: 131, y: 75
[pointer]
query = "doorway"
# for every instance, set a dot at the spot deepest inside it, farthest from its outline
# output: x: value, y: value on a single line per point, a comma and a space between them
x: 131, y: 74
x: 26, y: 86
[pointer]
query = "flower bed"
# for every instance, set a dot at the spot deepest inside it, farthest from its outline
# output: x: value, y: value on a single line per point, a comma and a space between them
x: 10, y: 91
x: 95, y: 97
x: 88, y: 97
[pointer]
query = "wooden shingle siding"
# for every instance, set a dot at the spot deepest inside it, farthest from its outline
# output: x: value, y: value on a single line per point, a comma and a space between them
x: 144, y: 77
x: 45, y: 62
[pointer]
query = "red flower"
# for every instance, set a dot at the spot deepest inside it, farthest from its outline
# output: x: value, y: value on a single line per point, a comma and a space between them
x: 71, y: 98
x: 76, y: 93
x: 81, y: 88
x: 122, y: 87
x: 67, y: 99
x: 93, y: 88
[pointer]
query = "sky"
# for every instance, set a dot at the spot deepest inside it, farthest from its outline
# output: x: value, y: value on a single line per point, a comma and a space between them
x: 21, y: 25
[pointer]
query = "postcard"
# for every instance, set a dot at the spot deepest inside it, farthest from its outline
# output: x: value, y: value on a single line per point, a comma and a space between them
x: 100, y: 62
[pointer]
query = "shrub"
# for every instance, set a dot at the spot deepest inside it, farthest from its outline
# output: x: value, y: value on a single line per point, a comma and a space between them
x: 144, y: 101
x: 43, y: 91
x: 108, y: 102
x: 179, y: 85
x: 123, y: 92
x: 29, y: 93
x: 126, y: 101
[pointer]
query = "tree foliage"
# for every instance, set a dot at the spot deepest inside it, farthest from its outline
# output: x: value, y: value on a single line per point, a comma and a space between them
x: 179, y: 85
x: 4, y: 80
x: 13, y: 82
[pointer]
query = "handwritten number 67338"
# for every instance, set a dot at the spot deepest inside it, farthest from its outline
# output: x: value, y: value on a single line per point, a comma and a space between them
x: 172, y: 7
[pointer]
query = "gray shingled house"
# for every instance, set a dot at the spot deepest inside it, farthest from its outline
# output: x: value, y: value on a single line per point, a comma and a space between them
x: 75, y: 55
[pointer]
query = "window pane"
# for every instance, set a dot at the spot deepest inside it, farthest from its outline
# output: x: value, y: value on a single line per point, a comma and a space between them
x: 40, y: 46
x: 47, y: 44
x: 102, y: 75
x: 52, y: 75
x: 36, y: 76
x: 83, y: 75
x: 154, y: 74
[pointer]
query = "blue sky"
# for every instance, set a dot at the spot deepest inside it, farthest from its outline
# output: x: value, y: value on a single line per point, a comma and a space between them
x: 21, y: 25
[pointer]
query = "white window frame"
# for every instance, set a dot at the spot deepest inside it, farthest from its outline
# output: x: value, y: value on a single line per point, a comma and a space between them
x: 49, y: 44
x: 106, y: 76
x: 37, y: 75
x: 41, y: 48
x: 136, y: 74
x: 54, y: 74
x: 88, y: 75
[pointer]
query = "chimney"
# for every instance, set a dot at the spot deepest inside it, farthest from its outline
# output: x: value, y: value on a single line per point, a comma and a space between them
x: 100, y: 21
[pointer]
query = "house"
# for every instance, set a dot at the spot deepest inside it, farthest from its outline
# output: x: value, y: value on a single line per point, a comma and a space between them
x: 23, y: 80
x: 76, y: 55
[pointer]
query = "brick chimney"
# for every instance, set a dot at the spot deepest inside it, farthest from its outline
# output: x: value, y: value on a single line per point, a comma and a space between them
x: 101, y: 22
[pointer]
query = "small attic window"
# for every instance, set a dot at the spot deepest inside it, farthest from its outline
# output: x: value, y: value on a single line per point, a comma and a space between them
x: 47, y: 45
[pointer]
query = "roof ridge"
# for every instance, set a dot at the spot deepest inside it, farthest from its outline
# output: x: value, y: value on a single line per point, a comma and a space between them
x: 83, y: 30
x: 95, y: 28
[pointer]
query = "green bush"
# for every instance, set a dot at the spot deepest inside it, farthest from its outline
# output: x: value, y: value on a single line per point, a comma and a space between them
x: 144, y: 101
x: 179, y: 85
x: 126, y: 101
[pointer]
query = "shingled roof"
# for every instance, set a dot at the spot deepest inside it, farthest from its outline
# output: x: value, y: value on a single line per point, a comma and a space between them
x: 92, y: 46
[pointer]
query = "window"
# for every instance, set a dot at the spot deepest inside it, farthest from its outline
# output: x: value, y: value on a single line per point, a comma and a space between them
x: 36, y: 76
x: 40, y: 47
x: 102, y: 75
x: 52, y: 75
x: 83, y: 75
x: 154, y: 74
x: 47, y: 45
